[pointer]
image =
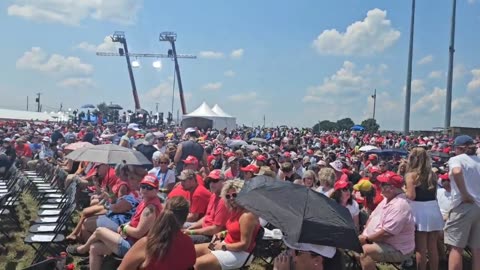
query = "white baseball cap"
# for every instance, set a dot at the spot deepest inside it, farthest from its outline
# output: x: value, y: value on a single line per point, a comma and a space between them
x: 133, y: 126
x: 189, y: 130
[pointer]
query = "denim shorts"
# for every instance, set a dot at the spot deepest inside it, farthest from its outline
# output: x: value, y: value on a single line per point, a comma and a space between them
x: 123, y: 246
x: 105, y: 222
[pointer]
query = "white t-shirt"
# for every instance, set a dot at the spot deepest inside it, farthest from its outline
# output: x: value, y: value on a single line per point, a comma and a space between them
x: 444, y: 199
x: 163, y: 178
x: 470, y: 166
x: 353, y: 208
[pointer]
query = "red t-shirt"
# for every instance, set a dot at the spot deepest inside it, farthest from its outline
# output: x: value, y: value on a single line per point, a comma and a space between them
x: 199, y: 200
x: 234, y: 233
x: 217, y: 212
x: 23, y: 151
x: 179, y: 191
x: 138, y: 212
x: 180, y: 255
x: 110, y: 179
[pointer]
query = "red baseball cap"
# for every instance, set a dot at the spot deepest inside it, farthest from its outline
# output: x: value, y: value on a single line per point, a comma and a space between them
x: 217, y: 152
x: 215, y: 174
x: 341, y: 185
x: 372, y: 157
x: 287, y: 154
x: 444, y: 177
x: 191, y: 160
x: 210, y: 158
x: 310, y: 151
x: 391, y: 178
x: 250, y: 168
x: 151, y: 180
x: 261, y: 158
x: 229, y: 154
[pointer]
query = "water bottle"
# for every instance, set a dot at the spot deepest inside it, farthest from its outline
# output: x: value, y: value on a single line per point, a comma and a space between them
x: 61, y: 261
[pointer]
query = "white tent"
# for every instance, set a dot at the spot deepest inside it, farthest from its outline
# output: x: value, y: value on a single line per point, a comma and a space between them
x: 219, y: 119
x: 220, y: 112
x: 6, y: 114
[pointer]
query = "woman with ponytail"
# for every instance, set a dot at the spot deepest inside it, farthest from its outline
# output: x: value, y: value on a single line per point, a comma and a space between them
x: 166, y: 246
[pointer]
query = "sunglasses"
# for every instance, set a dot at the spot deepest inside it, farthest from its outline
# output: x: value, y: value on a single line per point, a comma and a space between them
x: 147, y: 187
x: 231, y: 196
x: 163, y: 162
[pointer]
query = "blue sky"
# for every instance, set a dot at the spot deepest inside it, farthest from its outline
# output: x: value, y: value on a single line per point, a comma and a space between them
x: 294, y: 62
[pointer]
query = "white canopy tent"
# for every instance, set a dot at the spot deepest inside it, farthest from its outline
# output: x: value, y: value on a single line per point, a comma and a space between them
x: 6, y: 114
x: 219, y: 119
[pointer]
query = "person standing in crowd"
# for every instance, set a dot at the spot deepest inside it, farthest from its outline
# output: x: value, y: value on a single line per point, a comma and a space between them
x: 421, y: 185
x: 146, y: 147
x: 217, y: 213
x: 165, y: 247
x: 128, y: 139
x: 190, y: 147
x: 70, y: 136
x: 389, y: 235
x: 57, y: 134
x: 462, y: 227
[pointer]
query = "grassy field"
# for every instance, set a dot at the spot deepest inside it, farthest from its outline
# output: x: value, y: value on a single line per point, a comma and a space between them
x: 17, y: 255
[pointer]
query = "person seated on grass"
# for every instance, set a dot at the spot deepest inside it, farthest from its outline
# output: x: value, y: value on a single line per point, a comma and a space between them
x: 242, y: 229
x: 165, y: 247
x: 217, y: 213
x: 111, y: 213
x: 105, y: 241
x: 309, y: 257
x: 389, y: 235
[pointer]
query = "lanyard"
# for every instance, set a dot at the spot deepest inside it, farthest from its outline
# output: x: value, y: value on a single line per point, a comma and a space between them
x: 163, y: 179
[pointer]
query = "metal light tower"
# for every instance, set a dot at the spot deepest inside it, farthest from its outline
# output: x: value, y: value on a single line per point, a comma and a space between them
x: 119, y: 36
x: 451, y: 48
x: 374, y: 96
x: 172, y: 37
x: 408, y: 92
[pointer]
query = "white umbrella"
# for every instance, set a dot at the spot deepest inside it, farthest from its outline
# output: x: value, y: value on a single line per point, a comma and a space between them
x: 367, y: 148
x: 109, y: 154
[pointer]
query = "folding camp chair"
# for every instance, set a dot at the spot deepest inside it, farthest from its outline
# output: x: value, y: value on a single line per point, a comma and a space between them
x: 53, y: 242
x: 265, y: 249
x: 49, y: 264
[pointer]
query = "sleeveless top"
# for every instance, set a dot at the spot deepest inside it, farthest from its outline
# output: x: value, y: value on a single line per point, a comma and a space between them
x: 423, y: 194
x: 138, y: 213
x: 189, y: 148
x: 233, y: 231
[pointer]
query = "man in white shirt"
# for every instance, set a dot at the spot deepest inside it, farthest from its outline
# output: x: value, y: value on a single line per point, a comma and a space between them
x: 462, y: 228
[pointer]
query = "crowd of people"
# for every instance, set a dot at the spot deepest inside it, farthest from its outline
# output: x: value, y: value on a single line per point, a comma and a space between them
x: 180, y: 212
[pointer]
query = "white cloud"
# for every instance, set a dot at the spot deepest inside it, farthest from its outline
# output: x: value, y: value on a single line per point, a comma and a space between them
x: 37, y: 59
x: 459, y: 71
x: 246, y: 96
x: 425, y: 60
x: 211, y: 55
x: 77, y: 83
x: 372, y: 35
x: 229, y: 73
x: 418, y: 86
x: 71, y: 12
x: 237, y: 54
x: 431, y: 102
x: 106, y: 46
x: 164, y: 89
x: 212, y: 86
x: 475, y: 82
x: 348, y: 80
x: 436, y: 74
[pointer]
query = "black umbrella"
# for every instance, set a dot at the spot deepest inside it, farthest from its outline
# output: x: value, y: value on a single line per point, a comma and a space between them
x: 115, y: 107
x: 303, y: 215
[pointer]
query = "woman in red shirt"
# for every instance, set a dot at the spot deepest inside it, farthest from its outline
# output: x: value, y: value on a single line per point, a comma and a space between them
x: 165, y: 243
x: 104, y: 241
x: 242, y: 229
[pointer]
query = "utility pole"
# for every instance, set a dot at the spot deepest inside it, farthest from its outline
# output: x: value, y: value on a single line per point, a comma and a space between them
x: 408, y: 92
x: 27, y: 103
x: 38, y: 102
x: 156, y: 107
x: 451, y: 48
x: 374, y: 96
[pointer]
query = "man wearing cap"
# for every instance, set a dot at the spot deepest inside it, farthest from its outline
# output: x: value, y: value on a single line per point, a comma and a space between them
x: 217, y: 213
x: 367, y: 195
x: 233, y: 171
x: 190, y: 147
x: 462, y: 227
x: 128, y: 139
x: 249, y: 171
x: 198, y: 195
x: 389, y: 235
x: 146, y: 147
